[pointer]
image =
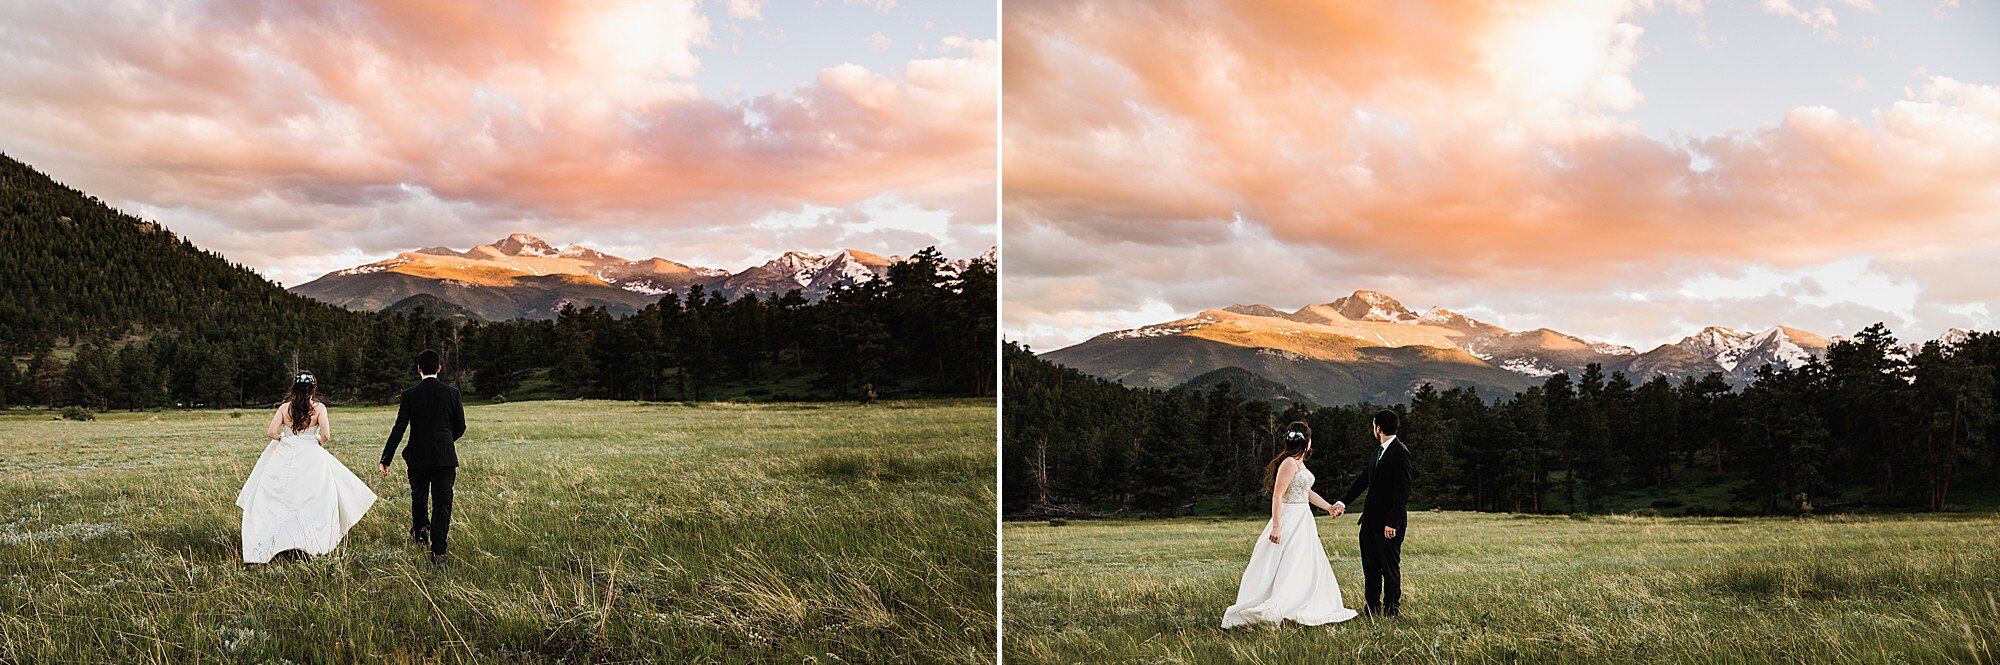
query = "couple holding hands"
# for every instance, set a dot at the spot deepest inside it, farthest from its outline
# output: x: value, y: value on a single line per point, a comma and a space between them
x: 1289, y: 577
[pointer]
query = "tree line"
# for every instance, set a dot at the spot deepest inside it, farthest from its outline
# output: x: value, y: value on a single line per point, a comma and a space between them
x: 1872, y: 425
x: 923, y: 329
x: 880, y: 337
x: 108, y: 311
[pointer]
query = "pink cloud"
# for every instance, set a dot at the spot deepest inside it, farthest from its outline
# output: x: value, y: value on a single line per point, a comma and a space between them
x: 1468, y: 144
x: 580, y: 113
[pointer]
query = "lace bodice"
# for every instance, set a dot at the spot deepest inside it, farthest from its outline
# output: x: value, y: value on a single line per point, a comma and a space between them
x: 309, y: 434
x: 1302, y: 483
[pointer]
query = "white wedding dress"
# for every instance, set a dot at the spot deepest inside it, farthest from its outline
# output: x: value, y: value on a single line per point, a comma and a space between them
x: 299, y: 497
x: 1289, y: 580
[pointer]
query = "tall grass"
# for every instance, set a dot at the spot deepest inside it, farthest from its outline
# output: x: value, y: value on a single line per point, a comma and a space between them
x: 1498, y: 588
x: 583, y: 532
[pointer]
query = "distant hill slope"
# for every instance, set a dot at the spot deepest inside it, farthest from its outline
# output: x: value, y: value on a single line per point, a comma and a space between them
x: 434, y: 306
x: 71, y: 266
x: 1248, y: 384
x: 527, y: 296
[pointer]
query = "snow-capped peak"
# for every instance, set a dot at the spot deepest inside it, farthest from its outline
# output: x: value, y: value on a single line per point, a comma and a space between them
x: 855, y: 266
x: 847, y: 265
x: 1954, y: 336
x: 375, y: 267
x: 1610, y: 349
x: 1723, y: 345
x: 792, y: 264
x: 799, y: 266
x: 1372, y: 306
x: 1439, y: 315
x: 1780, y: 346
x: 1949, y: 340
x: 1733, y: 349
x: 580, y: 251
x: 522, y: 244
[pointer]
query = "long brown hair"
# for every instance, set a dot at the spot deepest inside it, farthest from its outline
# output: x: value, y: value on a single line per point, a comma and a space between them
x: 1289, y: 446
x: 301, y: 400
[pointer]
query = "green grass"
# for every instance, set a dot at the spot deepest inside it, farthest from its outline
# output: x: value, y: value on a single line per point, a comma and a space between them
x: 1502, y: 588
x: 583, y: 532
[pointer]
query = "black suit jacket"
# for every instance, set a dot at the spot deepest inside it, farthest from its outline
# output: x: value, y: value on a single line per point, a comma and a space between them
x: 1387, y: 483
x: 435, y: 418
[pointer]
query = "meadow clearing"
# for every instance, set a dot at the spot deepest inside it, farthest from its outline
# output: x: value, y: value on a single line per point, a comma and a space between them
x: 583, y: 532
x: 1517, y: 588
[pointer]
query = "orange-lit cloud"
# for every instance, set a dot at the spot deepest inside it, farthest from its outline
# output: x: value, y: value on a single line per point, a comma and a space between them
x: 1470, y: 152
x: 553, y: 117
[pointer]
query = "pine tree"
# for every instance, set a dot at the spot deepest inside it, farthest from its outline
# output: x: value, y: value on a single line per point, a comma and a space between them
x: 10, y: 382
x: 1869, y: 404
x: 616, y: 353
x: 495, y: 360
x: 1169, y: 458
x: 1656, y: 421
x: 1429, y: 428
x: 975, y: 325
x: 575, y: 369
x: 91, y: 377
x: 215, y: 379
x: 139, y: 385
x: 47, y: 377
x: 1955, y: 408
x: 1524, y: 459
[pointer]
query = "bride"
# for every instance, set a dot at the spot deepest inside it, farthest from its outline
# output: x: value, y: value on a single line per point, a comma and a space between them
x: 1289, y: 577
x: 299, y: 497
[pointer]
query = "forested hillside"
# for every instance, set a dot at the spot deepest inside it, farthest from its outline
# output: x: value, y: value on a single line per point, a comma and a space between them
x: 105, y: 310
x: 1873, y: 427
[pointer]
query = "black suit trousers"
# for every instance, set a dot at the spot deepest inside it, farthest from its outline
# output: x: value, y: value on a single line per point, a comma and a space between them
x: 1382, y: 565
x: 433, y: 484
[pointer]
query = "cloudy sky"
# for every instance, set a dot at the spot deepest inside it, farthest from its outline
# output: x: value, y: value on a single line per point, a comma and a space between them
x: 1627, y: 171
x: 300, y: 137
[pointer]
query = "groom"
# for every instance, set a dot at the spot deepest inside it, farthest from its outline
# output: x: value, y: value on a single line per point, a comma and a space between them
x: 1383, y: 520
x: 435, y: 418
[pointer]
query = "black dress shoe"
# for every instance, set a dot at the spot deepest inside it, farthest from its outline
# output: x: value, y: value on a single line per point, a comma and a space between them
x: 1392, y: 611
x: 1371, y: 611
x: 421, y: 537
x: 437, y: 560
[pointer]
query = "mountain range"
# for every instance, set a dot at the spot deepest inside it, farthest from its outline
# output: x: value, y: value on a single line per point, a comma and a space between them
x: 522, y: 276
x: 1367, y: 346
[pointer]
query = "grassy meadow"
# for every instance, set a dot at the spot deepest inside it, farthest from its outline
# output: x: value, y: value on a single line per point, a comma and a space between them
x: 582, y: 532
x: 1505, y: 588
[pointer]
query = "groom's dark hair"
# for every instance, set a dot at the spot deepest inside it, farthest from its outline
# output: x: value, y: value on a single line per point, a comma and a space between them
x: 427, y: 362
x: 1387, y: 421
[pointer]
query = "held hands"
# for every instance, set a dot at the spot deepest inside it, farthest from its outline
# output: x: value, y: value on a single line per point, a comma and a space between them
x: 1337, y: 510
